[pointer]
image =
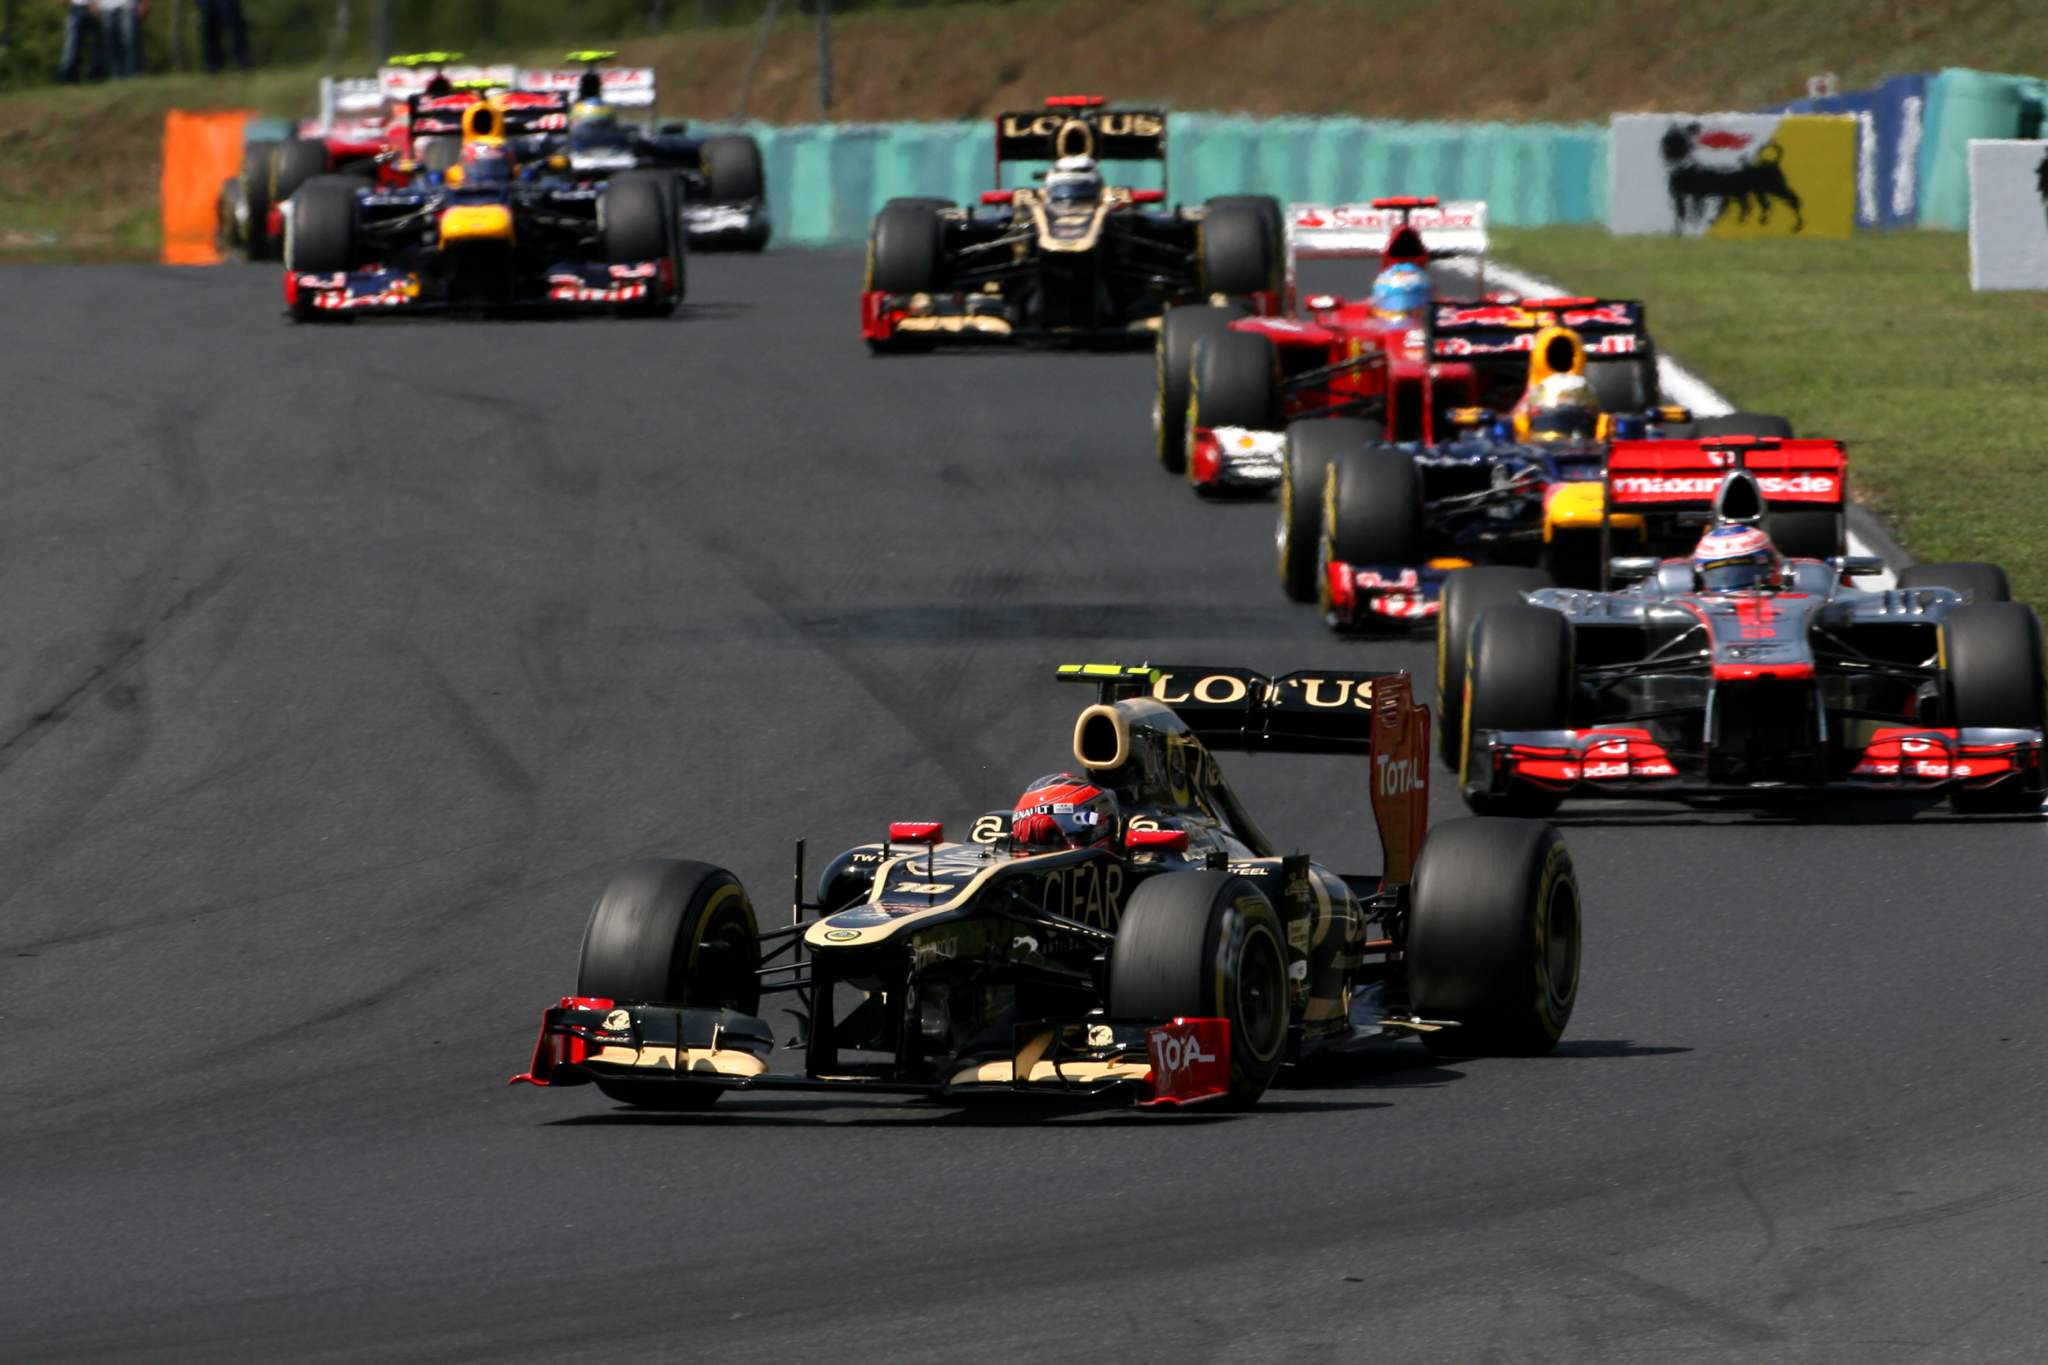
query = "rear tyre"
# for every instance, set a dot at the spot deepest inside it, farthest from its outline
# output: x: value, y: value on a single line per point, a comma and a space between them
x: 1312, y: 447
x: 732, y: 169
x: 1494, y: 937
x: 1743, y: 424
x: 320, y: 231
x: 1994, y: 680
x: 1207, y: 945
x: 638, y: 226
x: 253, y: 190
x: 678, y: 933
x: 1173, y: 373
x: 1624, y: 386
x: 296, y: 163
x: 1236, y: 246
x: 1468, y: 593
x: 1518, y: 677
x: 1983, y: 582
x: 1808, y: 534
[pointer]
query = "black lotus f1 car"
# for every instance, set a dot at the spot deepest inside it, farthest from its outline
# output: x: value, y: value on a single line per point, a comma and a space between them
x: 1672, y: 688
x: 1180, y: 959
x: 1070, y: 258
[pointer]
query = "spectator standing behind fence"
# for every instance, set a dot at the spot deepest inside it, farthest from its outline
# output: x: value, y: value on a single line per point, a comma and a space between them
x: 81, y: 29
x: 223, y: 19
x: 121, y: 34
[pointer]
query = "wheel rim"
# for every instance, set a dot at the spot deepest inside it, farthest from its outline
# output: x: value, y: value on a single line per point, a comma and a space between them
x: 1261, y: 1013
x: 1559, y: 953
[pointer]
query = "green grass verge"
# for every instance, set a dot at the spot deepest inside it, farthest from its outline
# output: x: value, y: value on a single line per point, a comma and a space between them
x: 1878, y: 340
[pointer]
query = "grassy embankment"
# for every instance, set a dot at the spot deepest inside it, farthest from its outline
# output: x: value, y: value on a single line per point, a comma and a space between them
x: 1878, y: 340
x: 81, y: 165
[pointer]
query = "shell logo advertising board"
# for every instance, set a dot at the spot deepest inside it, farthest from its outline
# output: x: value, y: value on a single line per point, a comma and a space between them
x: 1733, y: 175
x: 2008, y: 214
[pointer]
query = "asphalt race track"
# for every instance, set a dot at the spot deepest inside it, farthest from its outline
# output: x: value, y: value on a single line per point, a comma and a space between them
x: 346, y: 663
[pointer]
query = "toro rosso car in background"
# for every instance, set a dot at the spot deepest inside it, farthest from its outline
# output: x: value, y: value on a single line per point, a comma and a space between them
x: 1227, y: 386
x: 717, y: 182
x: 489, y: 233
x: 1070, y: 257
x: 1557, y: 484
x: 1738, y: 673
x: 1127, y: 931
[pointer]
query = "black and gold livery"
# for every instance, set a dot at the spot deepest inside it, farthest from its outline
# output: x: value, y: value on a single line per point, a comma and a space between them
x: 951, y: 969
x: 1097, y: 264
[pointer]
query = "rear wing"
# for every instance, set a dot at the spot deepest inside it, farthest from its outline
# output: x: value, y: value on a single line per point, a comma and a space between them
x: 1313, y: 711
x: 1078, y: 125
x: 527, y: 112
x: 1388, y: 231
x: 400, y: 83
x: 1685, y: 476
x: 348, y: 104
x: 1608, y: 328
x: 624, y: 87
x: 440, y: 115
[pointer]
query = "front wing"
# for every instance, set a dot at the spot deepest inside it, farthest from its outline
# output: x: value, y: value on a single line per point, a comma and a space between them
x: 585, y: 1038
x: 567, y: 285
x: 1624, y: 761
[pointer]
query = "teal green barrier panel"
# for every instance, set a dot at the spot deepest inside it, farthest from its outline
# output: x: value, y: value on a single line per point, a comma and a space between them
x: 1964, y: 104
x: 826, y: 181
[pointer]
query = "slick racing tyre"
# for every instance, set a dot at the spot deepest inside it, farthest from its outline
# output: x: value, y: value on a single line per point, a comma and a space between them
x: 1983, y: 582
x: 732, y: 169
x: 1808, y: 533
x: 904, y: 248
x: 1744, y: 424
x: 1235, y: 382
x: 254, y: 189
x: 320, y: 231
x: 669, y: 186
x: 677, y: 933
x: 1468, y: 593
x: 1173, y: 372
x: 1372, y: 513
x: 1206, y: 945
x: 1312, y: 447
x: 296, y: 163
x: 1494, y: 937
x: 1994, y: 679
x: 1238, y: 247
x: 638, y: 226
x: 1268, y: 209
x: 1624, y: 386
x: 1518, y: 677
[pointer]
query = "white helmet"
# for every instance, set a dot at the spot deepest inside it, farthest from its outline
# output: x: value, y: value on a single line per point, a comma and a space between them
x: 1073, y: 181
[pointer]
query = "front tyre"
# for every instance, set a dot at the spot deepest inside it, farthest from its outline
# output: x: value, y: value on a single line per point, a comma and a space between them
x: 1207, y: 945
x: 1173, y: 375
x: 1494, y: 937
x: 1467, y: 595
x: 1312, y: 447
x: 1518, y: 677
x: 1994, y: 680
x: 671, y: 932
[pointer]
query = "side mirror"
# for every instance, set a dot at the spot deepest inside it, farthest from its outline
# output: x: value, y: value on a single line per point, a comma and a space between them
x: 1856, y: 566
x: 1632, y: 568
x: 1156, y: 840
x: 998, y: 196
x: 1148, y: 196
x: 1672, y: 412
x: 916, y: 831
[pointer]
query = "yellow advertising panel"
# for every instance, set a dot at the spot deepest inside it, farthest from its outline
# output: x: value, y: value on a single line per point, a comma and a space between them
x: 1801, y: 183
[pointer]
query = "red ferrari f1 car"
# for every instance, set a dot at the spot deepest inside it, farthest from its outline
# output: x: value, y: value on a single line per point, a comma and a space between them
x: 1127, y: 931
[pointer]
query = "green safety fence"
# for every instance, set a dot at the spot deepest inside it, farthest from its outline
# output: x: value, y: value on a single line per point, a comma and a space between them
x: 825, y: 181
x: 1964, y: 104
